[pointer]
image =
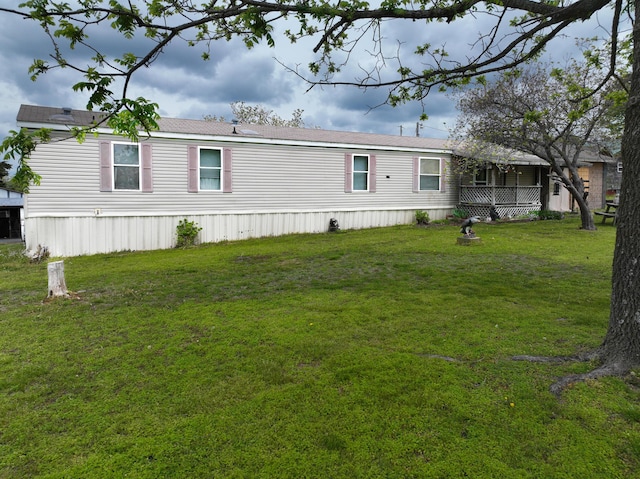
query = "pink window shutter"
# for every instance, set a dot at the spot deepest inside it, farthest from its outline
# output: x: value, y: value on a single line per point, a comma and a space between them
x: 147, y: 168
x: 348, y: 173
x: 227, y: 174
x: 443, y: 181
x: 192, y: 169
x: 416, y: 174
x: 106, y: 173
x: 373, y: 175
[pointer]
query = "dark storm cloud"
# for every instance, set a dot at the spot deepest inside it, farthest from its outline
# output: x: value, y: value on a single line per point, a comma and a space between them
x: 245, y: 78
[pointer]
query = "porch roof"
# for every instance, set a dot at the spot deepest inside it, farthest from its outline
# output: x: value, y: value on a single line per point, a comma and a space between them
x: 10, y: 198
x: 498, y: 155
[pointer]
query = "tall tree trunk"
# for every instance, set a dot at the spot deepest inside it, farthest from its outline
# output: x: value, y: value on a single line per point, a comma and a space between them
x: 576, y: 190
x: 621, y: 346
x: 585, y: 213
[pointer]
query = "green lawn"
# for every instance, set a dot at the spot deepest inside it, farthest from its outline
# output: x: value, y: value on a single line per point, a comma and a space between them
x: 381, y: 353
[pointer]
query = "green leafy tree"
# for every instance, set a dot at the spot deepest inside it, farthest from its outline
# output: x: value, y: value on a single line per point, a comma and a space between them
x: 556, y: 114
x: 259, y: 115
x: 520, y: 31
x: 4, y: 173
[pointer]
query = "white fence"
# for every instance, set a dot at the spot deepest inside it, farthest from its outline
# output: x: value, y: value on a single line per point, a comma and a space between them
x: 509, y: 201
x: 500, y: 195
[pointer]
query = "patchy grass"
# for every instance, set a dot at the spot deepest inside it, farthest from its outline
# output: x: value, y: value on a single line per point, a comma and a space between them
x: 378, y: 353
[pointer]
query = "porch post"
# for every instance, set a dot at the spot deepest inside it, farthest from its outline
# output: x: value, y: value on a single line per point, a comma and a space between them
x: 517, y: 186
x: 493, y: 186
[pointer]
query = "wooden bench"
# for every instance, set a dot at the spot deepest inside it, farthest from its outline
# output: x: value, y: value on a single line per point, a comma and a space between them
x: 609, y: 212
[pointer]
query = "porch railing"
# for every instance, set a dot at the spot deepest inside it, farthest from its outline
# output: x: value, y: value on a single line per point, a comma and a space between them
x: 500, y: 195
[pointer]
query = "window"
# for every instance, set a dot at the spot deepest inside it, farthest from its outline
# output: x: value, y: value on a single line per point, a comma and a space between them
x: 360, y: 172
x: 210, y: 169
x: 126, y: 166
x: 430, y: 174
x: 480, y: 177
x: 619, y: 167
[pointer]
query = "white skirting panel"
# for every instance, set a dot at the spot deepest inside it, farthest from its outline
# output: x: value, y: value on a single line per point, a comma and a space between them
x: 85, y: 235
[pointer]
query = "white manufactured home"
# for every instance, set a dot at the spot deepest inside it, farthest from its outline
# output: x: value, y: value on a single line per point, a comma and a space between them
x: 235, y: 181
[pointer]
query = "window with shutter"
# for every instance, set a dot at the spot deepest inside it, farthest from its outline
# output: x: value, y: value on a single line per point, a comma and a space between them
x: 209, y: 169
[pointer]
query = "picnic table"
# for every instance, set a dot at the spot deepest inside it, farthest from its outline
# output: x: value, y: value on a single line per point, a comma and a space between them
x: 609, y: 212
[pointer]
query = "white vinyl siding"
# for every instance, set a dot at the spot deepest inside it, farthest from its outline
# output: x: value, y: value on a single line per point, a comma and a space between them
x: 265, y: 177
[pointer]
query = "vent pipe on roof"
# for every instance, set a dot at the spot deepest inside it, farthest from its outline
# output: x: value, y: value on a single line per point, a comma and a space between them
x: 65, y: 116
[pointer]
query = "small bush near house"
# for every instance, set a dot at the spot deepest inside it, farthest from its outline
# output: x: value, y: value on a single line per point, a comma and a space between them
x: 187, y: 232
x: 460, y: 213
x: 422, y: 217
x: 548, y: 215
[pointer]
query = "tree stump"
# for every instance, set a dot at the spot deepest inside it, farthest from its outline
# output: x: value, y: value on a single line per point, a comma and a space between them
x: 57, y: 284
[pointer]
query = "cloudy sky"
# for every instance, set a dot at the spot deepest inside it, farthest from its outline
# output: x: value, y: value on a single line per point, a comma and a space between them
x: 185, y: 86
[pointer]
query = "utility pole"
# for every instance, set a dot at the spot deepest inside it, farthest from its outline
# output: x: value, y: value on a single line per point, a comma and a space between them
x: 418, y: 128
x: 400, y: 130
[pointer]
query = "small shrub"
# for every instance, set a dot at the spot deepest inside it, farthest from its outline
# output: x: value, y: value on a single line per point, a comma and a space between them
x: 187, y: 232
x: 548, y: 215
x: 422, y: 217
x: 460, y: 214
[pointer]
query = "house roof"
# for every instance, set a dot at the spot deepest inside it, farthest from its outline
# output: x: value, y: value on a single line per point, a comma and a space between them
x: 36, y: 116
x: 592, y: 154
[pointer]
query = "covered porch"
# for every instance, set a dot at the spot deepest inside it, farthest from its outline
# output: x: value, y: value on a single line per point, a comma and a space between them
x: 514, y: 188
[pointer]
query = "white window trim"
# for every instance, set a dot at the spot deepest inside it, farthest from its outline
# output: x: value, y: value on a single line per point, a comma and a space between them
x: 354, y: 171
x: 221, y: 150
x: 439, y: 175
x: 113, y: 165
